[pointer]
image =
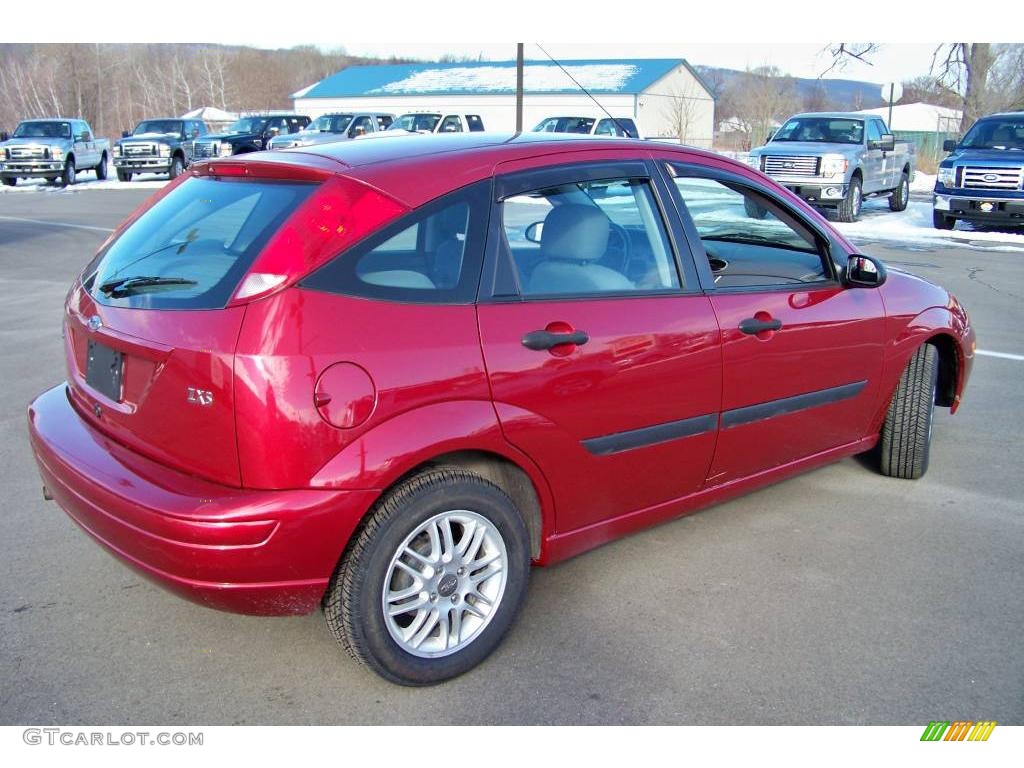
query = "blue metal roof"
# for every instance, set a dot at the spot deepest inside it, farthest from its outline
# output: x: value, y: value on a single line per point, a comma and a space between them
x: 624, y: 76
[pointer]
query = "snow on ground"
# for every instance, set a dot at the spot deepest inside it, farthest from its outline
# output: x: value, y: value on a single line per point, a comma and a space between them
x: 87, y: 180
x: 923, y: 182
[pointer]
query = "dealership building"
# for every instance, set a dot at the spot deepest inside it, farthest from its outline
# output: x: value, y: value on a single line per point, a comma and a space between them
x: 666, y: 97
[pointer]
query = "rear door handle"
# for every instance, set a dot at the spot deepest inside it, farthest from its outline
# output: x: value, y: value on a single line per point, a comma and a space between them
x: 541, y: 340
x: 754, y: 325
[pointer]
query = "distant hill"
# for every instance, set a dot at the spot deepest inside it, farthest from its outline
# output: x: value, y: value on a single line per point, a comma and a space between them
x: 843, y: 93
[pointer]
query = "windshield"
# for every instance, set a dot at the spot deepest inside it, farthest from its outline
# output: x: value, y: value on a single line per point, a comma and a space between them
x: 331, y: 123
x: 248, y: 125
x: 996, y: 133
x: 48, y: 129
x: 190, y: 250
x: 169, y: 127
x: 415, y: 122
x: 565, y: 125
x: 828, y: 130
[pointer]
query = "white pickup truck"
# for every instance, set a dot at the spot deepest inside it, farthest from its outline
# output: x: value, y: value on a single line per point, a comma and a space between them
x: 52, y: 149
x: 834, y: 160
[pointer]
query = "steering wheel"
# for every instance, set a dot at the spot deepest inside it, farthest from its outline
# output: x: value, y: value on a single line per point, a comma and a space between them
x: 618, y: 248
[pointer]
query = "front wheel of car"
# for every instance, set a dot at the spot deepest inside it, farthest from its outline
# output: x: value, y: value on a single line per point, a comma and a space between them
x: 754, y: 210
x: 177, y: 167
x: 942, y: 221
x: 123, y: 175
x: 433, y: 580
x: 907, y: 431
x: 901, y: 195
x: 101, y: 169
x: 68, y: 177
x: 10, y: 182
x: 849, y: 209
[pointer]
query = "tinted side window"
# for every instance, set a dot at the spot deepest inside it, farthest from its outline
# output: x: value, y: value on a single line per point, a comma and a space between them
x: 874, y: 130
x: 749, y: 239
x: 594, y: 237
x: 475, y: 123
x: 607, y: 127
x: 384, y: 121
x: 451, y: 124
x: 360, y: 126
x: 431, y: 255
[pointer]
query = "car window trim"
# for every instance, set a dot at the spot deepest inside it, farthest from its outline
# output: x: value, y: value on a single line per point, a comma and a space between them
x: 499, y: 283
x: 829, y: 242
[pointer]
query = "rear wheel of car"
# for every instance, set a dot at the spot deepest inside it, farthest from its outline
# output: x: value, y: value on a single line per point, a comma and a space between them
x: 907, y: 431
x: 901, y: 195
x: 68, y: 177
x: 123, y: 175
x: 101, y: 169
x: 942, y: 221
x: 433, y: 580
x: 177, y: 166
x: 10, y: 182
x: 849, y: 209
x: 754, y: 211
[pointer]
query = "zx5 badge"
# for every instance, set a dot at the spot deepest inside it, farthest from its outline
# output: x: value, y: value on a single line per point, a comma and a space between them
x: 200, y: 396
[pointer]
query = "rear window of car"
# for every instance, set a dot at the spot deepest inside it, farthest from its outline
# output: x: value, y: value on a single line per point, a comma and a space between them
x: 191, y: 249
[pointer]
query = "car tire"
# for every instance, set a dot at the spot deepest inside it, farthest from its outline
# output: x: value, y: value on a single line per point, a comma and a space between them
x: 370, y: 609
x: 67, y: 178
x: 942, y: 221
x: 177, y: 167
x: 754, y: 211
x: 901, y: 195
x: 10, y: 182
x: 848, y: 209
x: 907, y: 431
x: 101, y: 169
x: 123, y: 175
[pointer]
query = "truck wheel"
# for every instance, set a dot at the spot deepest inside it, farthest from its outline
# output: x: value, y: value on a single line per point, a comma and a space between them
x: 177, y: 166
x: 754, y: 211
x: 68, y: 177
x: 101, y: 169
x: 907, y: 432
x: 941, y: 221
x: 10, y: 182
x: 849, y: 209
x: 123, y: 175
x: 433, y: 581
x: 901, y: 195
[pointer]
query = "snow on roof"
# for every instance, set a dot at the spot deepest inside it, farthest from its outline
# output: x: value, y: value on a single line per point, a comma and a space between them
x: 210, y: 113
x: 493, y: 77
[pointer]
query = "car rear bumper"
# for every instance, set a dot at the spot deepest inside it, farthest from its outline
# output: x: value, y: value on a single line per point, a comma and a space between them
x: 247, y: 551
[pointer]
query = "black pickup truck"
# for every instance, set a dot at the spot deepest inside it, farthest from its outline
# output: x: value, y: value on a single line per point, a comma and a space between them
x: 157, y: 146
x: 248, y: 134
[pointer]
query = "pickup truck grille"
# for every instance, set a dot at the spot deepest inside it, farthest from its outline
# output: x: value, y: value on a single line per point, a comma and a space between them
x: 27, y: 153
x: 136, y: 150
x: 978, y: 177
x: 204, y: 149
x: 792, y: 166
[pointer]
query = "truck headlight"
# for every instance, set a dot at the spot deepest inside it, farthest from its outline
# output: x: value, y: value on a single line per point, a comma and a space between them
x: 947, y: 176
x: 119, y: 150
x: 163, y: 150
x: 754, y: 162
x: 225, y: 149
x: 834, y: 165
x: 56, y: 153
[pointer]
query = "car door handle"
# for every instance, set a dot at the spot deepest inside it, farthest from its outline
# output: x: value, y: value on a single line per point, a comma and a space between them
x: 541, y: 340
x: 754, y: 325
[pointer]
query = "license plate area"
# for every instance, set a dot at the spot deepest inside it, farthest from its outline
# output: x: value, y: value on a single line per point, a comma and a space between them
x: 104, y: 370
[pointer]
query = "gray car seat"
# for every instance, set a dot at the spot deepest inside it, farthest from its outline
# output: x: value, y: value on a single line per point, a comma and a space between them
x: 574, y: 238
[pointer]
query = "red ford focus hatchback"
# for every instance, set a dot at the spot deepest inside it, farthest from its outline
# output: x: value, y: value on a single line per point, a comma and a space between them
x: 386, y: 377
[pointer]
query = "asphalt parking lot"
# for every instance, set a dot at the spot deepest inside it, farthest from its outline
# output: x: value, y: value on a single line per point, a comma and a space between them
x: 838, y: 597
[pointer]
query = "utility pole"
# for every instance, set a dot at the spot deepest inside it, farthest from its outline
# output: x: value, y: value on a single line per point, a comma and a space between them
x: 519, y: 87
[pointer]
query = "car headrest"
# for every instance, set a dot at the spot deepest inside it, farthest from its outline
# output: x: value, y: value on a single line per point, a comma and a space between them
x: 574, y: 232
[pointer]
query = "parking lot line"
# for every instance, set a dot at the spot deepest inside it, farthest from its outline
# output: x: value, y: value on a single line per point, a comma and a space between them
x: 1003, y: 355
x: 56, y: 223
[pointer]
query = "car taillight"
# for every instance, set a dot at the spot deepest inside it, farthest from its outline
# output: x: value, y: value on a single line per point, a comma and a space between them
x: 341, y: 212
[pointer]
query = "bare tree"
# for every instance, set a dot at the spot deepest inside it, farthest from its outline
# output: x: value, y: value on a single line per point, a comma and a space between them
x: 761, y: 98
x: 680, y: 111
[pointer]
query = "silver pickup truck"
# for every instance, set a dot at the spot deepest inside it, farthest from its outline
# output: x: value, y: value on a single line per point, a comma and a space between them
x: 834, y: 160
x: 52, y: 149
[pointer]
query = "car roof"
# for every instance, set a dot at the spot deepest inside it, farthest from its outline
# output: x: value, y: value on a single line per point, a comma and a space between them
x: 844, y: 115
x: 416, y: 168
x: 1013, y: 115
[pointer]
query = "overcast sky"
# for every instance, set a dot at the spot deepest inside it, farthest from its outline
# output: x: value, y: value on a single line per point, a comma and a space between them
x: 892, y: 62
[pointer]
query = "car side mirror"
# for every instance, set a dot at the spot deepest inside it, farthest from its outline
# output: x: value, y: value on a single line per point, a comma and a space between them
x: 125, y: 134
x: 273, y: 132
x: 4, y: 135
x: 949, y: 145
x: 86, y: 137
x: 195, y: 133
x: 888, y: 142
x: 534, y: 232
x: 864, y: 272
